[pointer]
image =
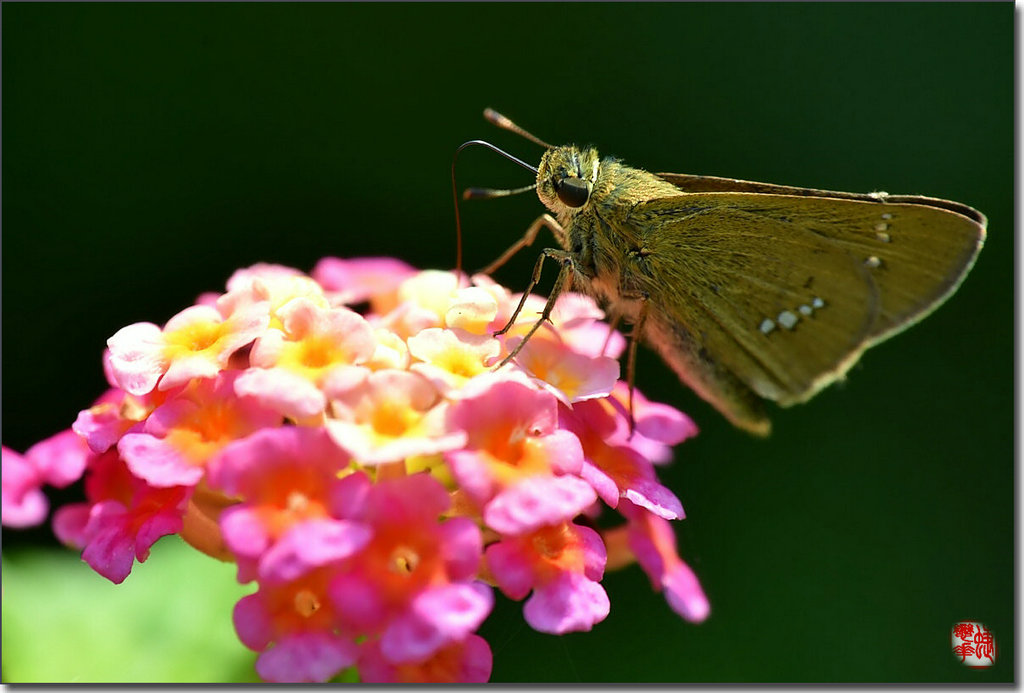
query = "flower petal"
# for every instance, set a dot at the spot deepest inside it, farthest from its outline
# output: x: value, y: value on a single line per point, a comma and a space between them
x: 569, y: 603
x: 306, y: 658
x: 536, y: 502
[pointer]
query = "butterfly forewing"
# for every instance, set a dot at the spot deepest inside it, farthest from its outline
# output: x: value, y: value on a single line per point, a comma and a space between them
x: 923, y: 246
x: 917, y: 254
x: 778, y: 304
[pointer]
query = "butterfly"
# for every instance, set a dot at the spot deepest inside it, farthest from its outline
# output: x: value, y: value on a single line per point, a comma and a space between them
x: 749, y: 291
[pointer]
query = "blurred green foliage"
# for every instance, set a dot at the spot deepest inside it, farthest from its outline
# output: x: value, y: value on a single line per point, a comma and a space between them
x: 169, y: 623
x: 151, y: 149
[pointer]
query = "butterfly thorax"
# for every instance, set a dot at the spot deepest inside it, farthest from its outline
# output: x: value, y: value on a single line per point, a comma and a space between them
x: 592, y: 199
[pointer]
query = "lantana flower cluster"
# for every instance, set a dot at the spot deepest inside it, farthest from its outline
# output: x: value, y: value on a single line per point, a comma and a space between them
x: 355, y: 442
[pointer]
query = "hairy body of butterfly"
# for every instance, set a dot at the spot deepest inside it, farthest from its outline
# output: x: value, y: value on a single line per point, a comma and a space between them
x: 750, y: 290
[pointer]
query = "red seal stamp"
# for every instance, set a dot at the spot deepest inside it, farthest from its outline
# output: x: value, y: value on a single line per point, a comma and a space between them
x: 973, y: 644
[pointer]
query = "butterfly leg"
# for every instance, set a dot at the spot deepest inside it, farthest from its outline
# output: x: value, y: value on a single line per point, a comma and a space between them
x: 528, y: 238
x: 616, y: 318
x: 561, y: 283
x: 634, y: 339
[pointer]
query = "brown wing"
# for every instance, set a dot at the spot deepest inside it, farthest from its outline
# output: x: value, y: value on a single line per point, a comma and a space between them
x: 780, y: 294
x: 933, y: 241
x: 692, y: 183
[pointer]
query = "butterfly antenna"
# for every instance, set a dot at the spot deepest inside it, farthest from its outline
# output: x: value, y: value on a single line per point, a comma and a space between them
x: 455, y: 191
x: 505, y: 124
x: 491, y: 193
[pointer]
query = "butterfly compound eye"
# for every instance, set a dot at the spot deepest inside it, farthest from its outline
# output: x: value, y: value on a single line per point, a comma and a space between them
x: 573, y: 192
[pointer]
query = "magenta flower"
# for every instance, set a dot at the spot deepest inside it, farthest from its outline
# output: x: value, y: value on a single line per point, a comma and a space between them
x: 186, y: 431
x: 653, y: 543
x: 613, y: 469
x: 468, y: 661
x: 563, y: 566
x: 123, y: 518
x: 293, y: 626
x: 363, y: 279
x: 24, y: 503
x: 414, y: 584
x: 658, y: 427
x: 352, y: 441
x: 103, y: 424
x: 57, y: 461
x: 287, y: 522
x: 516, y: 463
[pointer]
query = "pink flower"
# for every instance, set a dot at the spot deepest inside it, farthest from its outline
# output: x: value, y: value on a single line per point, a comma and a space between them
x: 423, y: 300
x: 288, y: 521
x: 195, y: 343
x: 472, y: 309
x: 293, y: 626
x: 362, y: 279
x: 57, y: 461
x: 569, y: 375
x: 654, y: 545
x: 266, y: 287
x: 393, y: 415
x: 413, y: 584
x: 579, y: 324
x: 616, y: 470
x: 517, y: 464
x: 113, y: 415
x: 24, y: 503
x: 658, y: 427
x: 467, y: 661
x: 60, y: 459
x: 372, y: 471
x: 563, y: 565
x: 501, y: 298
x: 575, y: 318
x: 181, y: 436
x: 123, y: 518
x: 451, y: 358
x: 292, y: 365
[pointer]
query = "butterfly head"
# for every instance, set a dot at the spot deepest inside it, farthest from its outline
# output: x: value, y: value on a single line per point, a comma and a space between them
x: 566, y: 177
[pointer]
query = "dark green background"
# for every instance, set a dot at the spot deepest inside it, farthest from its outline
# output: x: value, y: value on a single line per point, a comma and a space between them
x: 149, y: 150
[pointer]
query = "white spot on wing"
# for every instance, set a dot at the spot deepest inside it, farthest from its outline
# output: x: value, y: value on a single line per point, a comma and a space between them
x: 872, y: 262
x: 818, y: 303
x: 767, y: 325
x: 788, y: 319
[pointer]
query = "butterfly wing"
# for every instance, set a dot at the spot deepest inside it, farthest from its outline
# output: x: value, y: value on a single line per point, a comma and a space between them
x: 693, y: 183
x: 778, y: 295
x: 934, y: 242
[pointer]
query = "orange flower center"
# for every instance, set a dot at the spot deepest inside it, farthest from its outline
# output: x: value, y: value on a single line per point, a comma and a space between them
x: 403, y: 560
x: 306, y: 603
